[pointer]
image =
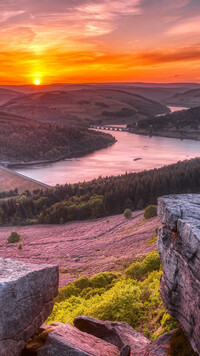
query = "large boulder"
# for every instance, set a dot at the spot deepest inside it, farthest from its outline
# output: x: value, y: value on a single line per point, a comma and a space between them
x: 26, y: 300
x: 117, y: 333
x: 63, y: 339
x: 179, y: 249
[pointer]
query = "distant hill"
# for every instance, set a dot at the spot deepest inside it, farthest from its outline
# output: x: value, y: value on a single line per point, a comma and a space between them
x: 83, y: 107
x: 190, y: 98
x: 7, y: 95
x: 25, y: 140
x: 180, y: 124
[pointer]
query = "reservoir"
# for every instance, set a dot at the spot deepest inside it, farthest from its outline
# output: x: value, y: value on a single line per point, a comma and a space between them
x: 131, y: 153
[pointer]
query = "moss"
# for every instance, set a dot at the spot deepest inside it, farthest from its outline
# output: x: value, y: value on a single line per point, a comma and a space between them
x: 180, y: 346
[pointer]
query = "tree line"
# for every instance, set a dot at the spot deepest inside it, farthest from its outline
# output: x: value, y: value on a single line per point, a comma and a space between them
x: 102, y: 196
x: 27, y: 140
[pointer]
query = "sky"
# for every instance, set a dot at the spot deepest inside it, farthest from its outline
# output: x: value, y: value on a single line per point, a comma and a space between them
x: 75, y: 41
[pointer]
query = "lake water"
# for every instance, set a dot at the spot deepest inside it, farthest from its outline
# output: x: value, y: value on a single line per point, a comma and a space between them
x: 116, y: 159
x: 177, y: 108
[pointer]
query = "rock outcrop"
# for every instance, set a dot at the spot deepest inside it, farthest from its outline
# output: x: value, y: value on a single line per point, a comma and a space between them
x: 65, y: 340
x: 26, y: 300
x: 179, y: 249
x: 117, y: 333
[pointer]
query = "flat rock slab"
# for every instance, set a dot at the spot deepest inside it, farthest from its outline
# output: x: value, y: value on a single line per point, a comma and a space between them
x: 65, y: 340
x: 26, y: 300
x: 117, y: 333
x: 179, y: 250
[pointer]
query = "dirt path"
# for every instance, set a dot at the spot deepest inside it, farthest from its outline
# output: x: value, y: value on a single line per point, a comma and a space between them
x: 85, y: 247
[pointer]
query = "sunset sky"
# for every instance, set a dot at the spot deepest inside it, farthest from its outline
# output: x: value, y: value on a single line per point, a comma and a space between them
x: 98, y: 41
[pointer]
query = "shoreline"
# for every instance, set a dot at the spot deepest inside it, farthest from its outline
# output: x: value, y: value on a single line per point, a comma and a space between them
x: 164, y: 135
x: 12, y: 165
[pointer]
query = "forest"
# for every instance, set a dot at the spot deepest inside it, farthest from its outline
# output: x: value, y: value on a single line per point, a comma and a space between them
x: 179, y: 120
x: 102, y: 196
x: 24, y: 140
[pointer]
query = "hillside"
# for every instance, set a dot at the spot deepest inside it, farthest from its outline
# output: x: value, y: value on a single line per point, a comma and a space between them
x: 83, y: 107
x: 184, y: 124
x: 190, y: 98
x: 103, y: 196
x: 84, y: 247
x: 7, y: 95
x: 24, y: 140
x: 10, y: 180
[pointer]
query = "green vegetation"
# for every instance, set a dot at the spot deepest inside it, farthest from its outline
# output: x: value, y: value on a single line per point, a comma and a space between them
x: 8, y: 193
x: 179, y: 122
x: 102, y: 196
x: 180, y: 346
x: 20, y: 247
x: 14, y: 237
x: 138, y: 270
x: 133, y: 298
x: 150, y: 211
x: 152, y: 240
x: 127, y: 213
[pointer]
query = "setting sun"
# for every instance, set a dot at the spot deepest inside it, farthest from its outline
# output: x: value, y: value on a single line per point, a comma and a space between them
x: 37, y: 82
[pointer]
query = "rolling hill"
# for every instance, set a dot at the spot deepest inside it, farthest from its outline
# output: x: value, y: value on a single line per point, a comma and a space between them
x: 180, y: 124
x: 25, y: 140
x: 7, y: 95
x: 83, y: 107
x: 190, y: 98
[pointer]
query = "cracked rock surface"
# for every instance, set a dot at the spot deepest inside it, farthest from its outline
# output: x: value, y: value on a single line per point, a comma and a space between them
x: 179, y: 250
x: 26, y: 300
x: 64, y: 339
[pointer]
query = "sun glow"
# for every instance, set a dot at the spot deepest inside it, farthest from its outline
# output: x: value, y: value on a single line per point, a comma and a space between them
x: 37, y: 81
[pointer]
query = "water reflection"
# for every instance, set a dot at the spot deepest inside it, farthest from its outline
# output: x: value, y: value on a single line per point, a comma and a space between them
x: 116, y: 159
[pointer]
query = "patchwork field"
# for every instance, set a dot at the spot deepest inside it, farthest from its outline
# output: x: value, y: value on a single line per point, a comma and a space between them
x: 86, y: 247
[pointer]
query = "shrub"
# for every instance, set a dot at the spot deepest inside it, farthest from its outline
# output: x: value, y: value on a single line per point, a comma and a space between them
x: 103, y: 279
x: 82, y: 283
x: 117, y: 298
x: 150, y: 211
x: 138, y: 270
x: 127, y: 213
x: 91, y: 292
x: 67, y: 292
x: 20, y: 247
x: 14, y: 237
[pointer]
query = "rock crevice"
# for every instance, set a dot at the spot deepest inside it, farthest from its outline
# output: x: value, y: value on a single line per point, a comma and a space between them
x: 179, y: 250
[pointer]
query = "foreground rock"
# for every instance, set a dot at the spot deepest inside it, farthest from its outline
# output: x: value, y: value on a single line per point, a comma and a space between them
x: 117, y: 333
x: 179, y: 249
x: 26, y: 300
x: 63, y: 339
